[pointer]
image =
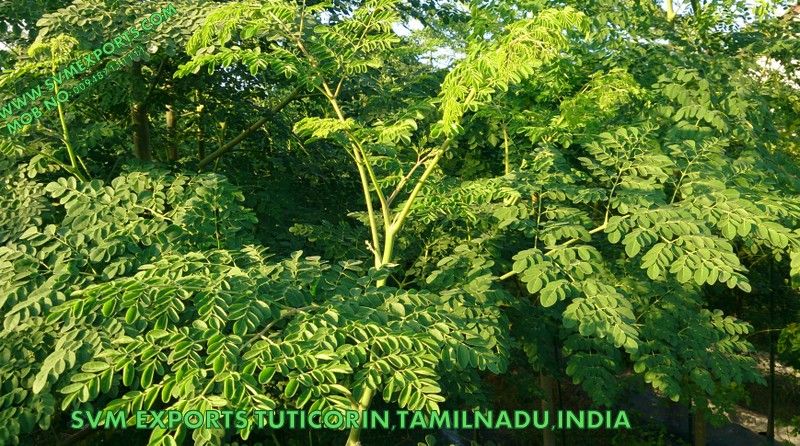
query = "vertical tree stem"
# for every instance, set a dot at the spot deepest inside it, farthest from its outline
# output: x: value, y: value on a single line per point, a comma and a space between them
x: 141, y: 130
x: 362, y: 173
x: 770, y: 325
x: 170, y: 119
x: 698, y: 425
x: 73, y: 158
x: 354, y: 438
x: 505, y: 147
x: 670, y: 11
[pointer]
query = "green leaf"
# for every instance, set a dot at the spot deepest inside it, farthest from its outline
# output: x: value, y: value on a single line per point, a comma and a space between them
x: 219, y: 364
x: 39, y: 382
x: 700, y: 275
x: 95, y: 366
x: 291, y: 388
x: 266, y: 375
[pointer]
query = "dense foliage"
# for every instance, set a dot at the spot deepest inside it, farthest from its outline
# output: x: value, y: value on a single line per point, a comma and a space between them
x: 305, y: 205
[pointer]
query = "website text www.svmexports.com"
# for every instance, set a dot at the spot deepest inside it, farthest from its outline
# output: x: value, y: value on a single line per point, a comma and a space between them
x: 24, y: 109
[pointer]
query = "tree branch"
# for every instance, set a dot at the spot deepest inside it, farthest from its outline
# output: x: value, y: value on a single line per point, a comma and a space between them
x: 404, y: 180
x: 256, y: 125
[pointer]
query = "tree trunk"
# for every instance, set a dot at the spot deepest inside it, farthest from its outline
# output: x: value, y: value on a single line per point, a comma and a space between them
x: 771, y: 416
x: 201, y: 142
x: 670, y: 11
x: 695, y: 7
x: 699, y: 426
x: 548, y: 385
x: 139, y: 119
x: 354, y: 438
x: 770, y: 325
x: 506, y: 163
x: 172, y: 143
